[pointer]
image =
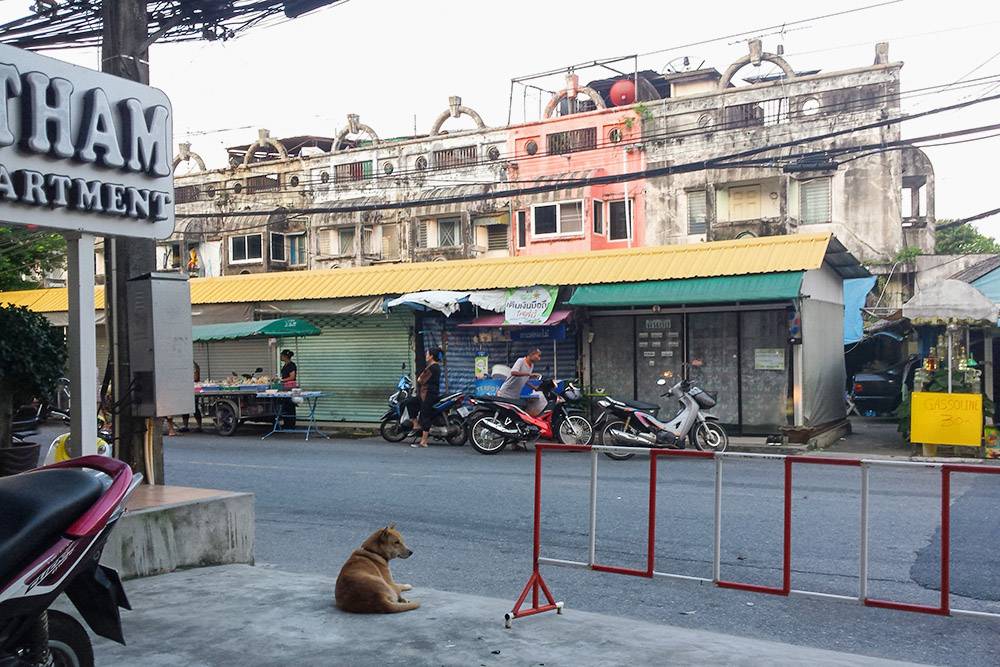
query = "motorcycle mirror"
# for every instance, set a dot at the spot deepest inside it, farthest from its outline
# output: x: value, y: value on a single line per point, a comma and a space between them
x: 661, y: 382
x: 258, y: 370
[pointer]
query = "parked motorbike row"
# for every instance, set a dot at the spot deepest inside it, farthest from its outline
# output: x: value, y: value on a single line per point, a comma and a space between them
x: 491, y: 423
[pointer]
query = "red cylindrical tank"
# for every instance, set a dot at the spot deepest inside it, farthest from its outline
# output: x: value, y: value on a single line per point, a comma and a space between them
x: 622, y: 92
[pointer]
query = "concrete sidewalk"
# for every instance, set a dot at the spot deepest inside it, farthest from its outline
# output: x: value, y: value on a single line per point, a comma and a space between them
x: 246, y: 616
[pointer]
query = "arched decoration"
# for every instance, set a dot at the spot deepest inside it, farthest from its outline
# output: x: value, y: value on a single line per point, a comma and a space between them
x: 354, y: 126
x: 573, y: 88
x: 755, y: 58
x: 264, y: 139
x: 455, y: 109
x: 185, y: 154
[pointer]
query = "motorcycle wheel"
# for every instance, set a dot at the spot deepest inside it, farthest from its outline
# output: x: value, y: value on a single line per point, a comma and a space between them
x: 710, y: 437
x: 226, y: 422
x: 458, y: 439
x: 575, y: 430
x: 69, y: 644
x: 607, y: 439
x: 483, y: 439
x: 389, y: 429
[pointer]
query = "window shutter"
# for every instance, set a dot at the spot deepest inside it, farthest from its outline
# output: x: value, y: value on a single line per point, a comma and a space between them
x: 496, y: 237
x: 598, y: 216
x: 422, y: 234
x: 571, y: 217
x: 814, y: 201
x: 697, y: 212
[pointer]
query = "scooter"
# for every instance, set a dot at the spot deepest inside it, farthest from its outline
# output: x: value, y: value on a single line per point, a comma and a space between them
x: 635, y: 424
x: 503, y: 421
x: 54, y: 523
x: 400, y: 420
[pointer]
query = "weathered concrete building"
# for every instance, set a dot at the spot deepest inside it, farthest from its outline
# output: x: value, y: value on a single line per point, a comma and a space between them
x: 772, y: 176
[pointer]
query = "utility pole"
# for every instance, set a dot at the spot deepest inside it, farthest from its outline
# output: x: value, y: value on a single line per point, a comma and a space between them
x: 125, y: 53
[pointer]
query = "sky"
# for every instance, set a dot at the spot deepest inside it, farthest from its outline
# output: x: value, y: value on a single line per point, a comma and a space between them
x: 395, y: 63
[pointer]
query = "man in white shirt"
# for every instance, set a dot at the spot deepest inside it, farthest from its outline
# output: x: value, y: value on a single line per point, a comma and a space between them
x: 521, y: 372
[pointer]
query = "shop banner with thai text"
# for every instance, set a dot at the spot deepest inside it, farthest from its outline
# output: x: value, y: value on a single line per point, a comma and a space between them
x: 529, y: 305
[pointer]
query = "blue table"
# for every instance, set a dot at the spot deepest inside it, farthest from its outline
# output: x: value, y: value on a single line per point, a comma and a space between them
x: 310, y: 398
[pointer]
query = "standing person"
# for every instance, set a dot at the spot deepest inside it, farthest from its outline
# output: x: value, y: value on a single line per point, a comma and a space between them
x: 197, y: 407
x: 289, y: 380
x: 429, y: 390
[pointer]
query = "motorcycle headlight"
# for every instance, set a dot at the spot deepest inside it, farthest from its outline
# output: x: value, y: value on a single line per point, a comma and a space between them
x: 604, y: 403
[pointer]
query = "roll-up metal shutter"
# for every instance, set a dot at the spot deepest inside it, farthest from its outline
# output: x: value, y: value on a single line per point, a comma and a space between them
x: 462, y: 350
x: 220, y: 359
x: 355, y: 361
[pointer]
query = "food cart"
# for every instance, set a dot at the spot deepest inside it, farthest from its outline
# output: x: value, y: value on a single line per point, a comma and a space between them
x: 252, y: 396
x: 946, y: 406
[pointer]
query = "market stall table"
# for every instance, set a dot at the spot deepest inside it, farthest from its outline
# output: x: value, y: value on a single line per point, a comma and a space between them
x: 278, y: 398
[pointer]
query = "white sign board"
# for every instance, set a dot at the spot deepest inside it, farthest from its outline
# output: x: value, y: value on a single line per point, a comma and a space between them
x: 769, y: 359
x: 83, y: 151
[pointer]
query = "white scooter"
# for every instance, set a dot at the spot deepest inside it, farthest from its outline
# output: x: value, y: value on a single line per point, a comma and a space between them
x: 634, y: 424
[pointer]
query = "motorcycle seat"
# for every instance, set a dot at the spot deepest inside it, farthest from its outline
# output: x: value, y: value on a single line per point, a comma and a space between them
x: 642, y: 405
x: 36, y: 508
x: 519, y: 402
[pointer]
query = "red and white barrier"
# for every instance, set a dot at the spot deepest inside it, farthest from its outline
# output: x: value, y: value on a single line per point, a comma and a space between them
x: 537, y: 587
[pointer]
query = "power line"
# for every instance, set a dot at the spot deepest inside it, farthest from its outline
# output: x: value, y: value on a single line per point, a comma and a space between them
x: 679, y: 132
x: 971, y: 218
x: 699, y: 165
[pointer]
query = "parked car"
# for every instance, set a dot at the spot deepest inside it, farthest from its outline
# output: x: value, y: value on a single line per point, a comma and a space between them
x: 877, y: 392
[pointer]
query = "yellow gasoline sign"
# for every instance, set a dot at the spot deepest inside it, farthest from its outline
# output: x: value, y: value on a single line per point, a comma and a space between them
x: 946, y: 419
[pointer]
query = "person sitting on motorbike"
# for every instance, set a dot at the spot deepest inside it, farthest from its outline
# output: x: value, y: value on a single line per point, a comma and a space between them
x: 520, y: 373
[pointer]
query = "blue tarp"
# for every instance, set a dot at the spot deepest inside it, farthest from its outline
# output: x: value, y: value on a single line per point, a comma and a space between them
x: 989, y: 285
x: 855, y: 292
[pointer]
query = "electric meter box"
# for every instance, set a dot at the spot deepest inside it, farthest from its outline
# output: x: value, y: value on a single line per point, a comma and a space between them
x: 159, y: 343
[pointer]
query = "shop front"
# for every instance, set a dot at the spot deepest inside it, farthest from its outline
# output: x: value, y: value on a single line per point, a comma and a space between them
x: 766, y: 345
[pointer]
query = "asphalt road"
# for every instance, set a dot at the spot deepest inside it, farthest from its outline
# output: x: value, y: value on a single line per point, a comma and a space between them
x: 468, y: 519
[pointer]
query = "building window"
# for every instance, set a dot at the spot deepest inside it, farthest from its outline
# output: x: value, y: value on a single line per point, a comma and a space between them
x: 369, y: 242
x: 496, y: 237
x: 522, y: 229
x: 422, y: 234
x: 246, y: 249
x: 744, y: 203
x: 572, y: 141
x: 455, y: 157
x: 448, y: 232
x: 263, y: 183
x: 345, y: 240
x: 598, y: 217
x: 186, y: 194
x: 814, y: 201
x: 563, y: 218
x: 758, y: 114
x: 697, y: 203
x: 352, y: 171
x: 618, y: 224
x: 278, y: 248
x: 296, y: 249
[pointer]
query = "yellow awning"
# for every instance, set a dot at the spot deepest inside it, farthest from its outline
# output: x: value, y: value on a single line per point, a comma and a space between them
x: 797, y: 252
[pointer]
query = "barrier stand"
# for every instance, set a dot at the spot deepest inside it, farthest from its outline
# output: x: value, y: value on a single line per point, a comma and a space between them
x: 537, y: 587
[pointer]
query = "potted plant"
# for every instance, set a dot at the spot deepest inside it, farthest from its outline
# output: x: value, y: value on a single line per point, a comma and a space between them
x: 32, y: 358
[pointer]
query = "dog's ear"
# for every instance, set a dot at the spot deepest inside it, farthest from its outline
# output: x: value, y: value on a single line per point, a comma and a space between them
x: 391, y: 526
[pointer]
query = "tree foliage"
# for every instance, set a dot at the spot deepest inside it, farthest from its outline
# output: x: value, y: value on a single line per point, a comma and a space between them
x: 26, y: 255
x: 32, y: 358
x: 963, y: 240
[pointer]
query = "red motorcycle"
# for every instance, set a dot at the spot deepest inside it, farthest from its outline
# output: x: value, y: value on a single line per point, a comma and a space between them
x: 54, y: 523
x: 499, y: 422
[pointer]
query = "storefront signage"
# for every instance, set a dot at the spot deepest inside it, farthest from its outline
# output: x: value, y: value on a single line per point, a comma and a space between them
x: 769, y: 359
x: 557, y: 332
x: 530, y: 305
x: 82, y: 150
x: 946, y: 419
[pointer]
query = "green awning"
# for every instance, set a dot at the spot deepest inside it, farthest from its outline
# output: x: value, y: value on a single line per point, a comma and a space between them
x: 692, y: 291
x: 286, y: 327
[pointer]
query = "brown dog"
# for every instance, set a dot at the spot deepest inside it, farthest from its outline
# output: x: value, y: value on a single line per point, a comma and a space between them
x: 365, y: 585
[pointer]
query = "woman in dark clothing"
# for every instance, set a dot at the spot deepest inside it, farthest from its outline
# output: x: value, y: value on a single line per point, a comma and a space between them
x: 289, y: 380
x: 429, y: 390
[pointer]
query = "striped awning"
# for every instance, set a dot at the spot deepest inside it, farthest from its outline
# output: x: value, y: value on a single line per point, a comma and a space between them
x: 579, y: 192
x: 474, y: 206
